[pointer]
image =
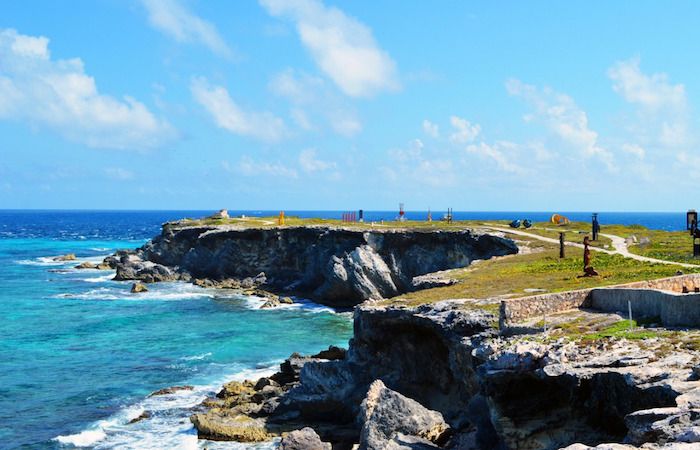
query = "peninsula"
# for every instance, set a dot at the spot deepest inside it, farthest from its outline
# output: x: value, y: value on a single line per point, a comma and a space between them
x: 467, y: 335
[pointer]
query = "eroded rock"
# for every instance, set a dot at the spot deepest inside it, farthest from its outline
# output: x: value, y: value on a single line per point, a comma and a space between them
x: 391, y: 420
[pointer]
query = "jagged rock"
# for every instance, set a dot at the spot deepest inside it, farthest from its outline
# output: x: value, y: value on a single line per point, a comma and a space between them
x: 171, y: 390
x: 391, y: 420
x: 67, y: 257
x: 138, y: 288
x: 333, y: 353
x: 109, y: 262
x: 285, y: 300
x: 663, y: 425
x: 304, y: 439
x: 103, y: 266
x: 360, y: 274
x: 86, y: 265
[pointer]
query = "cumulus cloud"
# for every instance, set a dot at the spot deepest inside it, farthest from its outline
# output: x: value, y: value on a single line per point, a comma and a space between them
x: 228, y: 115
x: 650, y: 91
x: 464, y: 131
x: 342, y: 47
x: 496, y: 153
x: 431, y: 129
x: 247, y: 166
x: 314, y: 100
x: 663, y: 118
x: 59, y: 95
x: 560, y: 114
x: 172, y: 18
x: 310, y: 163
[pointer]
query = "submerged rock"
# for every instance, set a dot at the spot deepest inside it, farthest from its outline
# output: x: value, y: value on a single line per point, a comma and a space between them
x: 171, y: 390
x: 67, y: 257
x: 138, y: 287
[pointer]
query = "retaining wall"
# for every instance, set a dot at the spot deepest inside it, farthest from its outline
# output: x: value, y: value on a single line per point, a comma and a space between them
x: 519, y: 309
x: 674, y: 309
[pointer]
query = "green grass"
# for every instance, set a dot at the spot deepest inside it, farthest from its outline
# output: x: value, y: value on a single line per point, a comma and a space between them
x: 669, y: 245
x: 623, y: 329
x: 511, y: 275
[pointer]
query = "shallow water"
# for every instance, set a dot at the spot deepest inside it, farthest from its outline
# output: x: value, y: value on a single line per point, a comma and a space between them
x: 79, y: 354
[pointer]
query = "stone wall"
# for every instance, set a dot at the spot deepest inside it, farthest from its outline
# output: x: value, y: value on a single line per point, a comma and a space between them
x: 674, y: 309
x: 519, y: 309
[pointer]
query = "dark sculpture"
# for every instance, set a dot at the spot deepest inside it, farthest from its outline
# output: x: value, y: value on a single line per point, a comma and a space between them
x: 588, y: 270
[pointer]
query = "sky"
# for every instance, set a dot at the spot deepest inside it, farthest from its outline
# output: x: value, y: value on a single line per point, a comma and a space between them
x: 342, y: 105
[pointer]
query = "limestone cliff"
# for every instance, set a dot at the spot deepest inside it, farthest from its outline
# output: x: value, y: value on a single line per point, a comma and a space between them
x: 335, y: 266
x: 491, y: 391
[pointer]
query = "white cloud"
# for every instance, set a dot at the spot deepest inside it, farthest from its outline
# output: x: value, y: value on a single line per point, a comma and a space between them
x: 431, y: 129
x: 634, y: 149
x: 564, y: 118
x: 312, y: 97
x: 495, y: 153
x: 228, y: 115
x: 175, y: 20
x: 650, y: 91
x: 118, y: 173
x: 310, y: 163
x: 59, y: 95
x: 341, y: 46
x: 464, y: 131
x: 249, y: 167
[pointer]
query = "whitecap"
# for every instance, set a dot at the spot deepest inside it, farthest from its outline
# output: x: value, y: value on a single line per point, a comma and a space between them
x: 168, y: 424
x: 85, y: 438
x: 196, y: 357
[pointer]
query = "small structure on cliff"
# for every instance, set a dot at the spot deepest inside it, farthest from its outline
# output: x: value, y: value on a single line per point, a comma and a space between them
x: 221, y: 214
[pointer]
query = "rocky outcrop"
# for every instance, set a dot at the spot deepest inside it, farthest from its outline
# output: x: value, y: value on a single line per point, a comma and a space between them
x: 137, y: 288
x: 391, y: 420
x: 440, y: 376
x: 335, y: 266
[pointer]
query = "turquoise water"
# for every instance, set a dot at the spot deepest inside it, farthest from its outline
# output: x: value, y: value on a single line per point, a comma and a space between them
x: 79, y: 354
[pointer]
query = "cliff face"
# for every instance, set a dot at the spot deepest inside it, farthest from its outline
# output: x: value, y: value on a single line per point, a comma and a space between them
x: 339, y: 267
x: 500, y: 393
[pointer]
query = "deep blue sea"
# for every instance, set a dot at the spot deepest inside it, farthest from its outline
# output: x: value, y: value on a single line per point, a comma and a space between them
x: 79, y: 354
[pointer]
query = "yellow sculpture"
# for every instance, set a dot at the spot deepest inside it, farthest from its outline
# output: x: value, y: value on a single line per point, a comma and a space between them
x: 280, y: 221
x: 558, y: 219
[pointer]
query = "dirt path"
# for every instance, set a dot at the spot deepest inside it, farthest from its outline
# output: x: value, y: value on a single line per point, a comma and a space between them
x: 619, y: 244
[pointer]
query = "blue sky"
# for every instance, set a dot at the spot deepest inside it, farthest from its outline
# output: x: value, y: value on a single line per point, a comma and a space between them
x: 305, y: 104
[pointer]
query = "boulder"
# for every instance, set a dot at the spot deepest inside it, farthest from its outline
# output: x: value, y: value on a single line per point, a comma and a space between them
x: 138, y: 288
x: 304, y: 439
x: 67, y: 257
x: 148, y: 272
x: 218, y: 425
x: 391, y: 420
x: 86, y: 265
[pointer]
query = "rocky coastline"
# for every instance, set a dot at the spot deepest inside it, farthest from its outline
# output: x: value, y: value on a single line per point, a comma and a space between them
x: 436, y: 376
x: 441, y: 376
x: 338, y: 267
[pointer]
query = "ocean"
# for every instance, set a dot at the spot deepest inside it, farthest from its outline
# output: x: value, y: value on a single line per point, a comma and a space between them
x: 79, y: 354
